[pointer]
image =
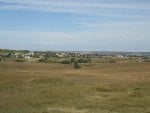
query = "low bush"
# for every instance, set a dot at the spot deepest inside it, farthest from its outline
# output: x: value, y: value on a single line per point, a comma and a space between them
x: 112, y: 61
x: 81, y: 60
x: 20, y: 60
x: 77, y: 66
x: 65, y: 62
x: 147, y: 60
x: 43, y: 60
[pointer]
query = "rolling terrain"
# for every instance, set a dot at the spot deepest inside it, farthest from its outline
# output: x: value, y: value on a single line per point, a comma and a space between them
x: 58, y: 88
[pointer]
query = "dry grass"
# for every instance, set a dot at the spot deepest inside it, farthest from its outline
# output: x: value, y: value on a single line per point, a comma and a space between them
x: 57, y: 88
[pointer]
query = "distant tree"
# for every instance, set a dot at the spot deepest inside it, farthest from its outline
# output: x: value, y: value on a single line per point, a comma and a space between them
x: 8, y: 55
x: 20, y: 56
x: 145, y: 57
x: 46, y: 55
x: 82, y: 60
x: 24, y: 51
x: 73, y: 59
x: 36, y: 55
x: 89, y: 59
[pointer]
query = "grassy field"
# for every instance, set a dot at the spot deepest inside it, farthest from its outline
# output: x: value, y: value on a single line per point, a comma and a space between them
x: 57, y: 88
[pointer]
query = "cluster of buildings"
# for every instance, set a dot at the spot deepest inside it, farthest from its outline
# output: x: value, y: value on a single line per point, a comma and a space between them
x: 36, y: 55
x: 29, y: 55
x: 17, y: 55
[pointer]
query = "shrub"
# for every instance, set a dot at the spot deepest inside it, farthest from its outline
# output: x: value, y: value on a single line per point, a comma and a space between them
x: 73, y: 59
x: 82, y: 60
x: 43, y: 60
x: 77, y: 66
x: 112, y: 61
x: 20, y: 60
x: 89, y: 59
x: 66, y: 62
x: 147, y: 60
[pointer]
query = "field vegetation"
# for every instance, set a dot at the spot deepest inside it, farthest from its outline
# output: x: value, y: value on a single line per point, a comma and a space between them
x: 103, y: 86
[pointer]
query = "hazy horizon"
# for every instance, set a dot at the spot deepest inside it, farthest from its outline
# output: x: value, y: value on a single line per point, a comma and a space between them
x: 81, y: 25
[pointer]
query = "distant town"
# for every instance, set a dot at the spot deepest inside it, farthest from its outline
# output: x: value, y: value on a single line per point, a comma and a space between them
x: 67, y: 57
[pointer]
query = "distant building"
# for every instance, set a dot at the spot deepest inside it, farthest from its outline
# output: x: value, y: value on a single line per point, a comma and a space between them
x: 29, y: 55
x: 120, y: 56
x: 19, y: 55
x: 59, y: 55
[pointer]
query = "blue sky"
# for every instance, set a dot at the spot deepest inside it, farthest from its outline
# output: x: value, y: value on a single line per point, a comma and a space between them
x: 96, y: 25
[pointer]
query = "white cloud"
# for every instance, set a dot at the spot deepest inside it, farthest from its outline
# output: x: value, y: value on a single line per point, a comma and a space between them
x: 132, y: 33
x: 71, y: 6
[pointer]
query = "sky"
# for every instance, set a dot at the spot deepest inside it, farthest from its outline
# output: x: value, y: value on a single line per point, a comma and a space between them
x: 75, y: 25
